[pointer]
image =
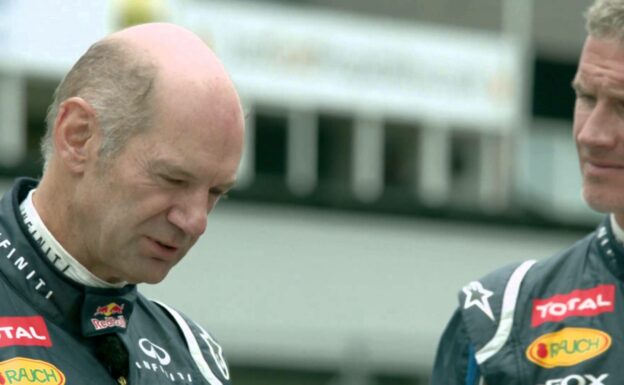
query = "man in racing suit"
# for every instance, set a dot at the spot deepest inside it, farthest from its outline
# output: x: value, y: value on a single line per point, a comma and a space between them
x: 144, y: 135
x: 559, y: 321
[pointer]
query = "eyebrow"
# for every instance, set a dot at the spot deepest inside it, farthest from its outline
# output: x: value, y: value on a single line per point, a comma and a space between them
x: 160, y: 165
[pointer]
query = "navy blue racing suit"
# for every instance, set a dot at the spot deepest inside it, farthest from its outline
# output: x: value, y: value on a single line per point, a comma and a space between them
x: 52, y: 329
x: 558, y: 321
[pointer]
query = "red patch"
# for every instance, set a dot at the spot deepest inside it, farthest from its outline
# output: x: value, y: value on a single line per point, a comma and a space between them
x: 579, y: 303
x: 24, y: 331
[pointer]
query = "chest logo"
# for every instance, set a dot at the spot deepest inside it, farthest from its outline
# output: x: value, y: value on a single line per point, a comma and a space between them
x: 477, y: 295
x: 25, y: 371
x: 159, y: 362
x: 103, y: 314
x: 586, y: 379
x: 24, y: 331
x: 154, y: 351
x: 567, y: 347
x: 579, y: 303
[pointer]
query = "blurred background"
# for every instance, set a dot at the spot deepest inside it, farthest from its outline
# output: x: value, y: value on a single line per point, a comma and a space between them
x: 396, y: 150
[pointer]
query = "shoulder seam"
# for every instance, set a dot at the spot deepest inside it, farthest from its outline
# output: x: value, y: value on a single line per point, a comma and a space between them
x: 192, y: 345
x: 510, y: 298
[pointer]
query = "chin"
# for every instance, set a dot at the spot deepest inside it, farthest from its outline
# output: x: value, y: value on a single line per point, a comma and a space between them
x: 603, y: 201
x: 153, y: 281
x: 149, y: 275
x: 152, y: 278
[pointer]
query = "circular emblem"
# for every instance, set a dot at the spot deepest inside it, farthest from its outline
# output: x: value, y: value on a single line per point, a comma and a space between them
x: 154, y: 351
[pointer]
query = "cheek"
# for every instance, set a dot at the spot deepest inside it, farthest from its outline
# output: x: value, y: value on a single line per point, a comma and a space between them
x: 146, y: 207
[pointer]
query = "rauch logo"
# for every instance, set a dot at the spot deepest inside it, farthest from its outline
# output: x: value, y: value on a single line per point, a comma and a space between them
x: 25, y: 371
x: 568, y: 347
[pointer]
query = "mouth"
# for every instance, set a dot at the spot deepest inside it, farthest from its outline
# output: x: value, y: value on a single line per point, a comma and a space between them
x: 166, y: 246
x: 597, y: 170
x: 603, y: 164
x: 163, y: 249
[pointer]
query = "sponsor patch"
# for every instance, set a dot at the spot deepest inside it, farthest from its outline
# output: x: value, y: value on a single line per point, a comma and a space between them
x: 577, y: 379
x: 158, y: 361
x: 112, y: 308
x: 26, y: 371
x: 579, y: 303
x: 24, y: 331
x: 22, y: 265
x: 477, y: 295
x: 105, y: 314
x: 109, y: 316
x: 567, y: 347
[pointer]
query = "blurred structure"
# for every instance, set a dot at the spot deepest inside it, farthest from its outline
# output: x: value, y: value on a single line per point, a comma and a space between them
x: 430, y: 109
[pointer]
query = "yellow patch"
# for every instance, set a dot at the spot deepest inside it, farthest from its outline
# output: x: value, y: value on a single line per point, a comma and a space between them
x: 26, y: 371
x: 568, y: 347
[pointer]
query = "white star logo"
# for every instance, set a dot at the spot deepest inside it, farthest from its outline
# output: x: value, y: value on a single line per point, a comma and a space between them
x: 477, y: 296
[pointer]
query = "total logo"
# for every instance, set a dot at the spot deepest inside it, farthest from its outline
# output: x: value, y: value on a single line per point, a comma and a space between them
x: 163, y: 358
x: 580, y: 303
x: 24, y: 331
x: 567, y: 347
x: 577, y: 379
x: 25, y: 371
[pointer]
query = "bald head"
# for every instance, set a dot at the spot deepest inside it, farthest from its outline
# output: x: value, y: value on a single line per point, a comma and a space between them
x: 145, y: 134
x: 166, y: 43
x: 185, y: 66
x: 123, y: 75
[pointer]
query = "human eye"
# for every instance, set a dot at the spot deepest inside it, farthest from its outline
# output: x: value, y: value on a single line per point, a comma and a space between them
x: 171, y: 180
x: 218, y: 193
x: 582, y: 95
x: 585, y: 97
x: 619, y: 107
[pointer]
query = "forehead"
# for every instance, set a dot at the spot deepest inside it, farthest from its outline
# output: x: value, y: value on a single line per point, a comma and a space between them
x: 197, y: 123
x: 191, y: 130
x: 601, y: 66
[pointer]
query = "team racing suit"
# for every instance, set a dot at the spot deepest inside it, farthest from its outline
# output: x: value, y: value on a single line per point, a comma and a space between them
x: 559, y: 321
x: 50, y: 325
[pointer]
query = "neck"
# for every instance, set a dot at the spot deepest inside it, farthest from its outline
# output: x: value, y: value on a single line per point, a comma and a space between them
x: 52, y: 192
x: 55, y: 201
x: 616, y: 226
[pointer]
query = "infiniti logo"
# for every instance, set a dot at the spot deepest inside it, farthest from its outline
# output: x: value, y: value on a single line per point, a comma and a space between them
x: 154, y: 351
x: 161, y: 368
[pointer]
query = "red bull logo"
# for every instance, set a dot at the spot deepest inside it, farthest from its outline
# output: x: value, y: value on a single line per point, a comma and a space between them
x: 109, y: 310
x: 109, y: 316
x: 109, y: 322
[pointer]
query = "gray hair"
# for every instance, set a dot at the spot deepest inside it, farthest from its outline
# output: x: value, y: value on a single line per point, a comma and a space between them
x: 117, y: 84
x: 605, y: 19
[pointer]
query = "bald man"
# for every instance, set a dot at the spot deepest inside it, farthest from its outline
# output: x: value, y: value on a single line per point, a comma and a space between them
x: 143, y: 137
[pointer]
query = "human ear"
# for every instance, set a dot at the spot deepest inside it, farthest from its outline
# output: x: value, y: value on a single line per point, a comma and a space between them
x: 75, y: 133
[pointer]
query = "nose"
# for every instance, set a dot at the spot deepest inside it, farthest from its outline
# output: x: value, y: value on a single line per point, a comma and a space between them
x: 597, y: 127
x: 190, y: 214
